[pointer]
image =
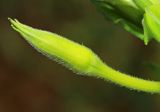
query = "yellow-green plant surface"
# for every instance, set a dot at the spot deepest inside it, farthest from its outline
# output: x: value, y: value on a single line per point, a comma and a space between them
x: 79, y: 58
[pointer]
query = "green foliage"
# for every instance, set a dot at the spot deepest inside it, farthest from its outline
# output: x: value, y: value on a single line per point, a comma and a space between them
x: 139, y: 17
x: 80, y: 58
x: 121, y: 12
x: 152, y: 23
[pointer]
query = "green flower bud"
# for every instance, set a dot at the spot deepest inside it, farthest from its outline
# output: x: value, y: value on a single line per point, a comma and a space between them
x: 73, y: 55
x: 128, y: 13
x: 80, y: 58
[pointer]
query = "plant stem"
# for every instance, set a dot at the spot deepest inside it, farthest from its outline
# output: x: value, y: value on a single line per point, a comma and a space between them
x: 107, y: 73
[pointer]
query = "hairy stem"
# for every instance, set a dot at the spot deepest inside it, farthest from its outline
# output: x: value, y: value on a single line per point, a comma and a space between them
x: 79, y: 58
x: 126, y: 80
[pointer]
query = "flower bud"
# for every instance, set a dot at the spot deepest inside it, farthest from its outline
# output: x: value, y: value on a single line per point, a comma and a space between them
x: 80, y: 58
x: 71, y: 54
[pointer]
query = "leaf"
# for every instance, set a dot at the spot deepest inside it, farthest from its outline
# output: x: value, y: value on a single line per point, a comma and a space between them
x: 139, y: 17
x: 143, y: 3
x: 151, y: 23
x: 122, y: 12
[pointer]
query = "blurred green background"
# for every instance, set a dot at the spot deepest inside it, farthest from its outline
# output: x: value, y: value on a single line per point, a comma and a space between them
x: 30, y: 82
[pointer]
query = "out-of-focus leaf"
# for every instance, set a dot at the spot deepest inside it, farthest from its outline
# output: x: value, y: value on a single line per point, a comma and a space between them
x: 139, y: 17
x: 152, y: 23
x: 124, y: 13
x: 144, y: 3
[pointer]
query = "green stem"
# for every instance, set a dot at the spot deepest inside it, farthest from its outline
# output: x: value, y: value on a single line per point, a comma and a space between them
x: 126, y: 80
